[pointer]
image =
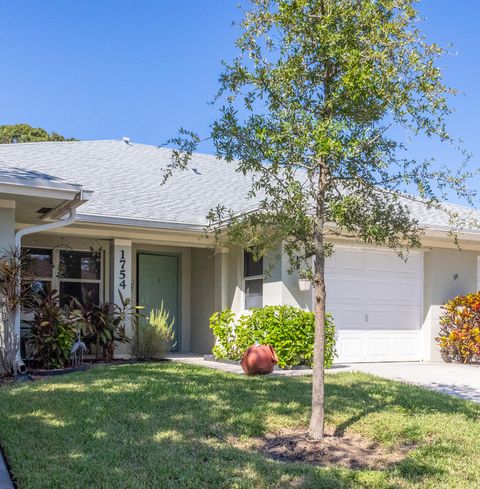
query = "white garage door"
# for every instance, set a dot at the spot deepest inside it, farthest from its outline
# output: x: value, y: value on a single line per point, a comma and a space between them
x: 376, y: 300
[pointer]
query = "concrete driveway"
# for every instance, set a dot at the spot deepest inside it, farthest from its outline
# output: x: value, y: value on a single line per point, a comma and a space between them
x: 458, y: 380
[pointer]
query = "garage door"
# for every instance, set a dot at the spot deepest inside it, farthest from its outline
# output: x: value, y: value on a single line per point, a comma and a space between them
x: 376, y: 300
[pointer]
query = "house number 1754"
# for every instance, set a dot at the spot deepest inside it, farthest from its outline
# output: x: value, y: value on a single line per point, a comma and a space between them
x: 122, y: 273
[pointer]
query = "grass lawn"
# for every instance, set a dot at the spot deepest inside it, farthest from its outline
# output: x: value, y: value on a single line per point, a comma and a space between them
x: 168, y: 425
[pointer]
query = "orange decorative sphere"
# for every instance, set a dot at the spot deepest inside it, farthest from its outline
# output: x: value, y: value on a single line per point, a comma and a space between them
x: 259, y: 360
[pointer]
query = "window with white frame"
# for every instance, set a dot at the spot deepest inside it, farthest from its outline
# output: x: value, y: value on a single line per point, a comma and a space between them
x: 37, y: 264
x: 79, y: 276
x: 253, y: 277
x: 73, y: 273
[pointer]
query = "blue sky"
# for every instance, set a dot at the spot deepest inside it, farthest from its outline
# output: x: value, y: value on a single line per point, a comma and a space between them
x: 103, y: 69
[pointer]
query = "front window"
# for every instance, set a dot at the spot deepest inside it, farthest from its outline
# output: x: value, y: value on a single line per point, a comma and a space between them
x: 77, y: 273
x: 37, y: 265
x: 79, y: 276
x: 253, y: 276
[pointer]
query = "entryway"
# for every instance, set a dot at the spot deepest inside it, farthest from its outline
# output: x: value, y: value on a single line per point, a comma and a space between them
x: 158, y: 282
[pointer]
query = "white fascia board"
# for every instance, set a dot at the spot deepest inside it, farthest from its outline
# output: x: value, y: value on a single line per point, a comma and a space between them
x: 140, y: 223
x: 430, y: 231
x: 60, y: 193
x: 445, y: 232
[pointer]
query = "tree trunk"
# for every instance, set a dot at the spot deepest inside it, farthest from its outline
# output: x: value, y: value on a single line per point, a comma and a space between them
x: 317, y: 420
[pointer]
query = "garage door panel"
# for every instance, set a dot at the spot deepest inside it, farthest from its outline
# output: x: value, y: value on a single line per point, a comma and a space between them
x: 341, y: 290
x: 345, y: 260
x: 351, y: 348
x: 352, y: 318
x: 378, y: 348
x: 407, y: 347
x: 351, y: 290
x: 392, y: 291
x: 353, y: 260
x: 331, y: 262
x: 368, y: 346
x: 378, y: 262
x: 388, y: 262
x: 413, y: 266
x: 403, y: 318
x: 347, y: 318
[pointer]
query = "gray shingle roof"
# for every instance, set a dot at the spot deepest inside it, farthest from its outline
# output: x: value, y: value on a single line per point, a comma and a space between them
x: 126, y: 181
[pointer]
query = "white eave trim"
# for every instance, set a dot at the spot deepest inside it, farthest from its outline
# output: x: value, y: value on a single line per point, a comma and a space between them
x: 444, y: 232
x: 141, y: 223
x: 61, y: 193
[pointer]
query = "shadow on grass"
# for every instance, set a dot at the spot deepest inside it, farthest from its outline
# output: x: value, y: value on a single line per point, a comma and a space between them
x: 164, y: 425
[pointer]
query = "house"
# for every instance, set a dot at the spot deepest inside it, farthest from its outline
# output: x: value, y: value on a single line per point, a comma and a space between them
x: 126, y: 232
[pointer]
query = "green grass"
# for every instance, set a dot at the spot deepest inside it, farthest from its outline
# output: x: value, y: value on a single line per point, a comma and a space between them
x: 167, y: 425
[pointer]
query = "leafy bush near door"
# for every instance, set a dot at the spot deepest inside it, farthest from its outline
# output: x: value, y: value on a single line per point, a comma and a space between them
x: 288, y: 329
x: 459, y: 335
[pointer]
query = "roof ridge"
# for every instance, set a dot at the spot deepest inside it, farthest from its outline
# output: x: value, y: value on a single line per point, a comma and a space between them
x: 131, y: 143
x: 26, y: 143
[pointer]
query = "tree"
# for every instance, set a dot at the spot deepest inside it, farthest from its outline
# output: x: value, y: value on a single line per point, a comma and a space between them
x: 309, y: 110
x: 24, y: 133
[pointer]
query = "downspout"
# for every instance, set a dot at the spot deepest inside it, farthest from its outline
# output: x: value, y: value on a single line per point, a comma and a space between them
x: 18, y: 245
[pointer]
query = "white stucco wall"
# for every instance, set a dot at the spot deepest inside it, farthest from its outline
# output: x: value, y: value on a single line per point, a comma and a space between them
x: 447, y: 273
x: 203, y: 299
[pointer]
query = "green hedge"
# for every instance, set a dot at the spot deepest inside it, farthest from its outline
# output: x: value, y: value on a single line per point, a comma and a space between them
x: 288, y: 329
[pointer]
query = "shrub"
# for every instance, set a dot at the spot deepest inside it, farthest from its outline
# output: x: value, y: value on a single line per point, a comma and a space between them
x: 154, y: 335
x: 51, y: 333
x: 223, y: 326
x: 459, y: 335
x: 103, y: 325
x: 288, y: 329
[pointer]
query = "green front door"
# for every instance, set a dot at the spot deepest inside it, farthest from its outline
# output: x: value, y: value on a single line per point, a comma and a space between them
x: 157, y: 283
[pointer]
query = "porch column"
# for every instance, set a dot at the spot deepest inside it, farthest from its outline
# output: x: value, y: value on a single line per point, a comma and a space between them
x: 7, y: 242
x: 221, y: 279
x: 122, y: 283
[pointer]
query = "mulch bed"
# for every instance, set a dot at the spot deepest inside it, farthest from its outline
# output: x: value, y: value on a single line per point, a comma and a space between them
x: 57, y: 371
x: 349, y: 450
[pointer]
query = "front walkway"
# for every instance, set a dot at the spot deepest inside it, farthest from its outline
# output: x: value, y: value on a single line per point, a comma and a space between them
x: 233, y: 368
x: 457, y: 380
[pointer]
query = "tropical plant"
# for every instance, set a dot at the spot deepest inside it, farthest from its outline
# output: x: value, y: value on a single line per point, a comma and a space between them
x: 154, y: 335
x: 314, y: 109
x: 103, y: 325
x: 288, y: 329
x: 15, y: 292
x: 459, y: 334
x: 51, y: 333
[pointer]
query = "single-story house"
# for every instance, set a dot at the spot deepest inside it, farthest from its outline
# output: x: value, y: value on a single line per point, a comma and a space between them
x: 129, y: 233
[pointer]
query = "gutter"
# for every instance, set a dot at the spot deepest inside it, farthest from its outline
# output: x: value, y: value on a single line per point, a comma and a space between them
x: 71, y: 209
x: 141, y: 223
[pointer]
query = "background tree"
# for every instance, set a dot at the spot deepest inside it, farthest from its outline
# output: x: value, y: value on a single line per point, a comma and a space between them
x: 309, y: 110
x: 24, y: 133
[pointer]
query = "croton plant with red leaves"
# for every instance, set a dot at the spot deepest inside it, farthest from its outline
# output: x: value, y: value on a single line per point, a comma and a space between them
x: 459, y: 335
